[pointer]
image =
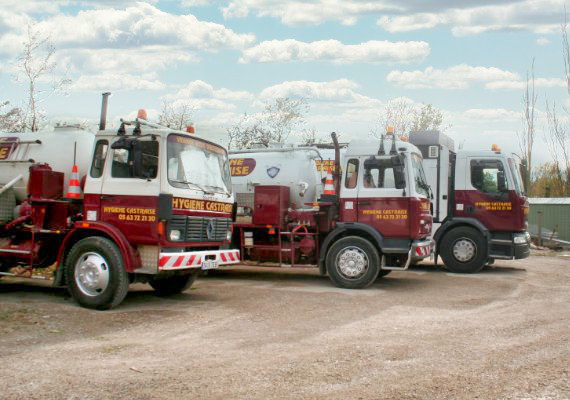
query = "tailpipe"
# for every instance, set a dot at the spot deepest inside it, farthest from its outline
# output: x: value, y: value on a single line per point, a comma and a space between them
x: 103, y: 120
x: 336, y: 163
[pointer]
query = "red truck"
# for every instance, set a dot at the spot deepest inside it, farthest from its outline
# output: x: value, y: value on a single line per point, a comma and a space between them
x: 376, y: 219
x: 156, y: 207
x: 479, y: 205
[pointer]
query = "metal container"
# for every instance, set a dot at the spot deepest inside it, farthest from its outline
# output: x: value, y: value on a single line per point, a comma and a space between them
x: 20, y: 150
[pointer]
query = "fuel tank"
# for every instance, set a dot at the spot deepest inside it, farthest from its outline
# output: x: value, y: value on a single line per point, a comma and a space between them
x: 299, y: 168
x: 20, y: 150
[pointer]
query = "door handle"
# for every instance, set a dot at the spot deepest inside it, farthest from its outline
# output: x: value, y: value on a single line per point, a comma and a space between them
x: 106, y: 197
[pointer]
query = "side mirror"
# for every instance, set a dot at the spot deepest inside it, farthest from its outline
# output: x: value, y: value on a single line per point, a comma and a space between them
x: 122, y: 144
x: 399, y: 178
x: 501, y: 181
x: 397, y: 161
x: 137, y: 159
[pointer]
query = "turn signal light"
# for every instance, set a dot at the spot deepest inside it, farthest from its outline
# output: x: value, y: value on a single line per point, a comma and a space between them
x: 390, y: 130
x: 495, y: 148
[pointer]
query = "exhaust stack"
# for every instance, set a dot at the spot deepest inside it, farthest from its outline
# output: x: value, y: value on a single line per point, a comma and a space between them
x: 103, y: 120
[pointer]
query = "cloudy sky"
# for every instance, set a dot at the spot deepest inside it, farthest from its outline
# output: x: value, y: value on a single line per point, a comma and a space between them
x: 346, y: 57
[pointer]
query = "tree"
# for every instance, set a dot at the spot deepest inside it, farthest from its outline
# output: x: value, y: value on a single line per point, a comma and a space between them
x: 273, y: 125
x: 176, y: 116
x: 10, y: 118
x: 36, y: 64
x: 406, y: 116
x: 557, y: 137
x: 526, y: 137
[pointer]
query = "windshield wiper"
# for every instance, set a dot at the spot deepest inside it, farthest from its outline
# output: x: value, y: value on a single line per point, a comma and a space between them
x: 195, y: 185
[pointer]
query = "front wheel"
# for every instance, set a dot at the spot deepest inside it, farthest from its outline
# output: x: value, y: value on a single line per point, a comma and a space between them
x: 463, y: 250
x: 353, y: 263
x: 173, y: 284
x: 95, y: 273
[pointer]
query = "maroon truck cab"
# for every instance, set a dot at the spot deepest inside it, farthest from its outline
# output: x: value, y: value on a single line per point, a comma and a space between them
x: 479, y: 206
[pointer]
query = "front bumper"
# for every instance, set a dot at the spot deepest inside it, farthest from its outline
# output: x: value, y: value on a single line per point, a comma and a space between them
x: 422, y: 249
x: 209, y: 259
x: 522, y: 248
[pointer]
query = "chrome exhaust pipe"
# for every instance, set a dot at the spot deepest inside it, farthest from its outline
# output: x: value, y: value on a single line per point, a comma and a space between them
x: 103, y: 120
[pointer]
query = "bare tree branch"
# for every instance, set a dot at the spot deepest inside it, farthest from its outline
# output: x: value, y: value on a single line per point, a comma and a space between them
x: 36, y: 64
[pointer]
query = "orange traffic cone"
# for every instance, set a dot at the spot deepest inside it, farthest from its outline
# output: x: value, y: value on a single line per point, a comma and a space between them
x: 329, y: 184
x: 74, y: 189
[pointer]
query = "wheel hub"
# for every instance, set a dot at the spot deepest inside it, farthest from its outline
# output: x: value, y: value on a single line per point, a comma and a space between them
x: 91, y: 274
x: 464, y: 250
x: 352, y: 262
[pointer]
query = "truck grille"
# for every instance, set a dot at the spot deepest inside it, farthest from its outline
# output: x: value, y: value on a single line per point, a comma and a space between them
x: 195, y: 229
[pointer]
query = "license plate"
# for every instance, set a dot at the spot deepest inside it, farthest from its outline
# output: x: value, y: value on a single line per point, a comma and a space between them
x: 209, y: 264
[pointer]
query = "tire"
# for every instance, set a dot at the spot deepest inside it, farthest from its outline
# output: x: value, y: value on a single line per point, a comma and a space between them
x: 353, y: 249
x: 463, y: 250
x: 173, y: 284
x: 95, y: 273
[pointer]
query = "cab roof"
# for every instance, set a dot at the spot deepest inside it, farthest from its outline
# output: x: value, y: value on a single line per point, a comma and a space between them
x: 371, y: 146
x: 156, y: 130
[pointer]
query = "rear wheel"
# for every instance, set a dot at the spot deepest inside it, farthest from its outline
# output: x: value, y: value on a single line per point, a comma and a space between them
x: 353, y: 263
x: 463, y: 250
x: 95, y: 273
x: 173, y: 284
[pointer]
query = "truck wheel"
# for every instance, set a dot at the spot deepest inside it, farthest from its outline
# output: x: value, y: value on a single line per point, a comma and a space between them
x: 173, y: 284
x: 353, y: 263
x: 95, y: 273
x: 463, y: 250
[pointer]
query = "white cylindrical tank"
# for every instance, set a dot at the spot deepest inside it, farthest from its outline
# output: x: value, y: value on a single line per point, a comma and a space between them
x: 17, y: 150
x: 293, y: 167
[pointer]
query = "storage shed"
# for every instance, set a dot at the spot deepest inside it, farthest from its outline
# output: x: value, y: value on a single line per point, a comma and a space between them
x: 554, y: 214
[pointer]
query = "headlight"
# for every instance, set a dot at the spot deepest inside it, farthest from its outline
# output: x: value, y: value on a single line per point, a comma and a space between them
x: 229, y: 236
x: 174, y: 235
x: 521, y: 239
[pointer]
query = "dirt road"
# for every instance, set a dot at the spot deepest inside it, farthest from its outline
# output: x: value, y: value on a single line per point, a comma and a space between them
x: 258, y: 334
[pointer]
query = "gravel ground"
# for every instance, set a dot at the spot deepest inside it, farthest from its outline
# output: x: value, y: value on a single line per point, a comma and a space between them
x: 278, y: 333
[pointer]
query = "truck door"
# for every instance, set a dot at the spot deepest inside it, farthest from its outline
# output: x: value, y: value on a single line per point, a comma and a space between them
x: 486, y: 194
x: 381, y: 203
x: 129, y: 201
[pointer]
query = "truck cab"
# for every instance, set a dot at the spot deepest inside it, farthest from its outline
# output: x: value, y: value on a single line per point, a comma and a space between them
x: 480, y: 208
x: 388, y: 192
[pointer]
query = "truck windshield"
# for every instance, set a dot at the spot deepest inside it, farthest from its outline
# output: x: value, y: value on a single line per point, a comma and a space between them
x: 198, y: 165
x: 419, y: 176
x: 517, y: 178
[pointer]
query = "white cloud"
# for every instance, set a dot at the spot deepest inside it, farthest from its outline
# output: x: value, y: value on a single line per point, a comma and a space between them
x: 111, y: 42
x: 542, y: 41
x: 340, y: 92
x: 473, y: 17
x: 202, y: 95
x: 374, y: 51
x: 113, y: 81
x: 457, y: 77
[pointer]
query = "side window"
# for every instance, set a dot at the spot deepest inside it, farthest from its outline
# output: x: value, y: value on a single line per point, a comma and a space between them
x: 351, y: 174
x: 488, y: 176
x: 98, y: 163
x: 122, y: 166
x: 379, y: 174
